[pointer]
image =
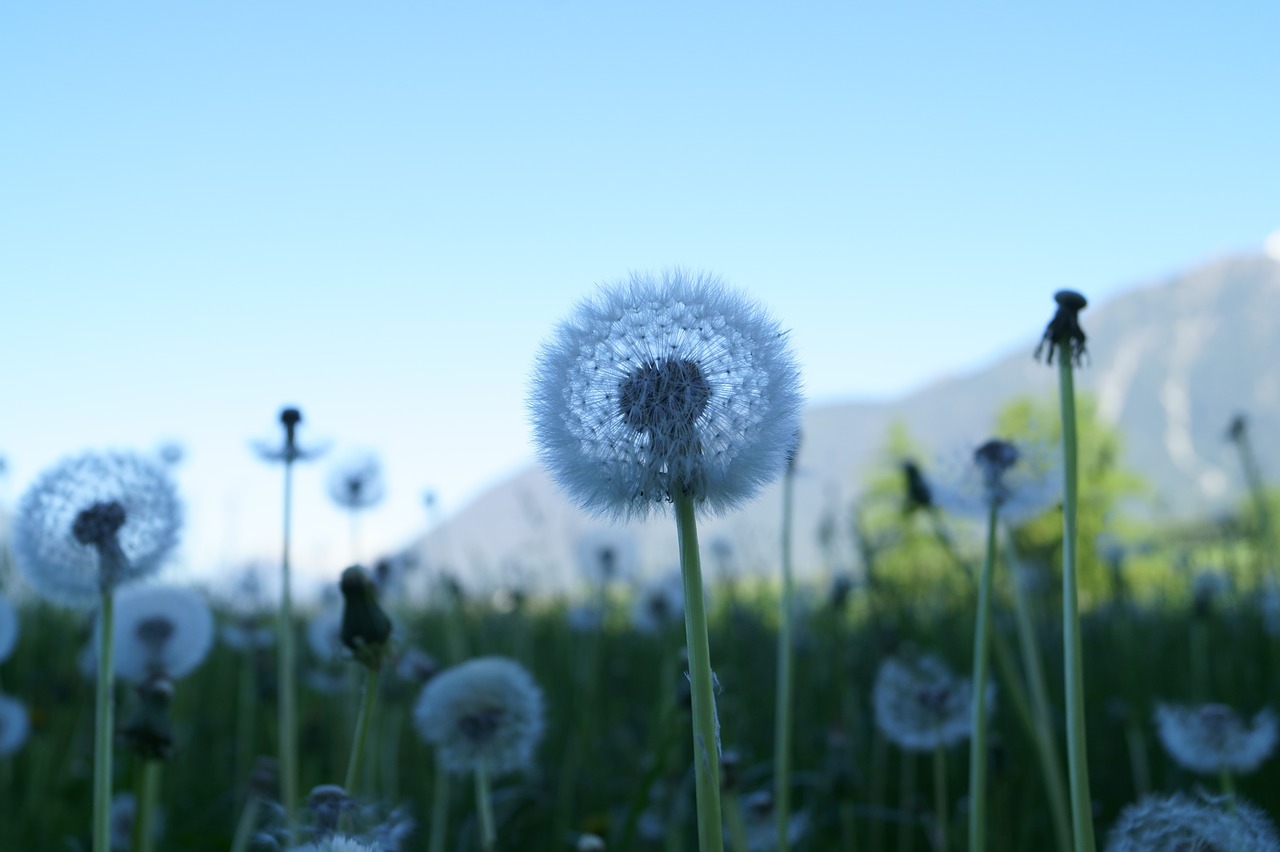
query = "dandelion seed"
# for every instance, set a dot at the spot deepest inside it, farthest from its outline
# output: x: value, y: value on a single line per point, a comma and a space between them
x: 93, y: 522
x: 160, y: 631
x: 8, y: 628
x: 1212, y: 738
x: 1179, y: 822
x: 921, y: 705
x: 661, y: 385
x: 486, y: 711
x: 15, y: 725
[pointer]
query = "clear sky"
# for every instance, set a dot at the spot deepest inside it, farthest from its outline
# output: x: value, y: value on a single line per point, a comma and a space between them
x: 377, y: 211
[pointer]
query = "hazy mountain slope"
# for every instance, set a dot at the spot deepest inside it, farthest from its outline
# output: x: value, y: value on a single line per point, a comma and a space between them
x: 1170, y: 362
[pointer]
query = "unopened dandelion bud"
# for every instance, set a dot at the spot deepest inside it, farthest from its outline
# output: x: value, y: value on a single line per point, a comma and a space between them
x: 150, y: 732
x: 919, y: 496
x: 365, y: 627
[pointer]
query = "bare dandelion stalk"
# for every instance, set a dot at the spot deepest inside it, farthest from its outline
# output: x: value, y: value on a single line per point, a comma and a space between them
x: 981, y: 667
x: 148, y: 794
x: 287, y: 686
x: 439, y: 809
x: 941, y: 805
x: 782, y: 717
x: 1064, y: 336
x: 484, y: 808
x: 1238, y: 432
x: 367, y: 702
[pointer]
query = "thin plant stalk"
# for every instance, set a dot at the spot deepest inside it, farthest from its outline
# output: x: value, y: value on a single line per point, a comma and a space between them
x: 1043, y: 731
x: 244, y: 829
x: 1073, y: 664
x: 439, y: 809
x: 879, y: 780
x: 288, y: 734
x: 484, y: 808
x: 1138, y: 762
x: 104, y: 730
x: 367, y: 702
x: 981, y: 670
x: 907, y: 802
x: 147, y: 795
x: 706, y: 739
x: 941, y: 806
x: 245, y: 714
x: 782, y: 717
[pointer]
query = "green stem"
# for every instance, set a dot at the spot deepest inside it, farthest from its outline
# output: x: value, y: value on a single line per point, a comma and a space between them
x: 879, y: 781
x: 244, y: 829
x: 288, y: 735
x: 1228, y: 785
x: 907, y: 802
x: 782, y: 717
x: 1073, y: 664
x: 439, y: 809
x: 104, y: 730
x: 1042, y: 730
x: 367, y: 702
x: 484, y: 807
x: 706, y: 739
x: 981, y: 667
x: 148, y: 793
x: 1138, y: 764
x: 244, y: 714
x: 941, y: 807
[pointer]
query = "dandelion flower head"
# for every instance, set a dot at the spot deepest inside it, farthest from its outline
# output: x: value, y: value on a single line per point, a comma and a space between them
x: 356, y: 482
x: 920, y: 704
x: 1020, y: 479
x: 14, y: 725
x: 160, y: 631
x: 1209, y: 738
x: 665, y: 385
x: 338, y: 843
x: 484, y: 711
x: 1181, y: 822
x: 92, y: 522
x: 8, y: 628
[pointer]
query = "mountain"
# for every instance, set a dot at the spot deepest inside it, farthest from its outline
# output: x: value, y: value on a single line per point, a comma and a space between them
x: 1170, y: 364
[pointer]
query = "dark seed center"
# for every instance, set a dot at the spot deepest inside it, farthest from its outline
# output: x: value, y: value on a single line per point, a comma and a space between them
x: 662, y: 394
x: 154, y: 632
x: 98, y: 523
x: 480, y: 726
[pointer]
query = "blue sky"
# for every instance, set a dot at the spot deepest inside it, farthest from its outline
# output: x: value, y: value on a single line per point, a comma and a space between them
x: 378, y: 212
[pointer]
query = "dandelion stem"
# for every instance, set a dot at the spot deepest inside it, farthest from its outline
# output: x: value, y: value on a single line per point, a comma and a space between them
x: 706, y: 740
x: 367, y: 702
x: 439, y: 809
x: 941, y: 807
x: 288, y: 721
x: 907, y: 802
x: 244, y: 829
x: 782, y: 718
x: 737, y: 828
x: 981, y: 668
x: 104, y: 732
x: 484, y: 807
x: 1077, y: 753
x: 148, y: 792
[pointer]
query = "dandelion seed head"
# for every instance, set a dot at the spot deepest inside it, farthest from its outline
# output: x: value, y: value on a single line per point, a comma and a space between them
x: 1063, y: 334
x: 663, y: 385
x: 1020, y: 479
x: 1209, y: 738
x: 1179, y: 822
x: 95, y: 520
x: 920, y: 704
x: 8, y: 628
x: 357, y: 482
x: 160, y: 631
x: 15, y: 725
x: 484, y: 711
x: 606, y: 555
x: 659, y: 604
x: 338, y: 843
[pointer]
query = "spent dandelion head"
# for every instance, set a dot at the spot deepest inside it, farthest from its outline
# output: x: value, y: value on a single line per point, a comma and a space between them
x: 289, y: 451
x: 1180, y: 822
x: 921, y: 705
x: 15, y: 725
x: 149, y: 732
x: 1019, y: 479
x: 93, y: 522
x: 366, y: 629
x: 160, y: 631
x: 606, y: 555
x: 8, y: 628
x: 486, y: 711
x: 665, y: 385
x: 1212, y: 738
x: 357, y: 482
x: 1064, y: 334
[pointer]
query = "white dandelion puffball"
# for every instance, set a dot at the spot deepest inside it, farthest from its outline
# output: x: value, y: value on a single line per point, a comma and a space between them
x: 14, y: 725
x: 663, y: 385
x: 160, y: 631
x: 484, y: 711
x: 1022, y: 480
x: 1209, y: 738
x: 1181, y: 822
x: 8, y: 628
x: 920, y: 704
x: 337, y: 843
x: 95, y: 521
